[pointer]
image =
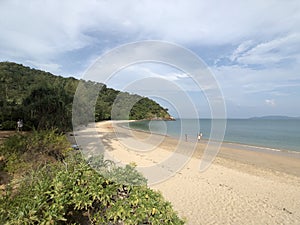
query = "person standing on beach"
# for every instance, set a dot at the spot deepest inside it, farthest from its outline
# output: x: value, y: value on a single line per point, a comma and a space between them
x: 199, y: 136
x: 19, y: 125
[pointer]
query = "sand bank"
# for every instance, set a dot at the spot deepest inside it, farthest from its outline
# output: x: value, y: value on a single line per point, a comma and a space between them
x: 240, y: 186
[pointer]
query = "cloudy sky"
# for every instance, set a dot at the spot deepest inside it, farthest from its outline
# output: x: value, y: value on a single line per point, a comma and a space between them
x: 251, y: 47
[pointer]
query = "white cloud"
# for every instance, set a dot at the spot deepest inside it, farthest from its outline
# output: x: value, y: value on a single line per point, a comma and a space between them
x: 248, y: 86
x: 270, y: 102
x: 241, y: 49
x: 48, y: 28
x: 39, y: 31
x: 51, y: 34
x: 157, y: 71
x: 271, y: 52
x: 55, y: 68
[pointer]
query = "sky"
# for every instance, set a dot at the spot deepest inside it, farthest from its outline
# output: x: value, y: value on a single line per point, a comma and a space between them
x: 252, y: 48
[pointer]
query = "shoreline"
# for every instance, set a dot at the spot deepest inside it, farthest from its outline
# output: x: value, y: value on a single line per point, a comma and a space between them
x: 277, y: 161
x: 249, y: 144
x: 257, y: 148
x: 239, y: 187
x: 235, y: 145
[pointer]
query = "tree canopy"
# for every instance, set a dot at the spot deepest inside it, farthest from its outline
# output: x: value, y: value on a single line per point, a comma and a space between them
x: 44, y: 100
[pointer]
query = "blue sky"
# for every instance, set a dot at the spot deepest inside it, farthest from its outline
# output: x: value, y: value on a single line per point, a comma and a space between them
x: 251, y: 47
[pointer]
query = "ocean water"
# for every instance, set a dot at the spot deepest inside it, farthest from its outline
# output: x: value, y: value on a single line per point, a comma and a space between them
x: 273, y: 134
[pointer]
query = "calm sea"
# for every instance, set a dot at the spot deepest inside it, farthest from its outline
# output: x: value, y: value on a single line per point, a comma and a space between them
x: 273, y: 134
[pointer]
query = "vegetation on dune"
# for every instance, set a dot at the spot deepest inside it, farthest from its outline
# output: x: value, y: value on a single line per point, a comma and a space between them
x: 68, y: 190
x: 45, y: 101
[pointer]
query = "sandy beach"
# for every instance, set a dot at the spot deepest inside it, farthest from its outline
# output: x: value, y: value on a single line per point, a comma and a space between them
x: 240, y: 186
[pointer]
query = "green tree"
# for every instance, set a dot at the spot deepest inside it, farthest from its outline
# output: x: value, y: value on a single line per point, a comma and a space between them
x: 48, y: 108
x: 38, y: 97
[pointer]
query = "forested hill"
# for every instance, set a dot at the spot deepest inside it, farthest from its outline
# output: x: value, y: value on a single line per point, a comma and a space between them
x: 43, y: 100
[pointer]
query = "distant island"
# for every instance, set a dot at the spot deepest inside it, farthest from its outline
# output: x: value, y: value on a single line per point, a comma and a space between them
x: 275, y: 118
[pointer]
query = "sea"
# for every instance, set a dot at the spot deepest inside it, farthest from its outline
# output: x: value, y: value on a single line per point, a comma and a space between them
x: 271, y: 134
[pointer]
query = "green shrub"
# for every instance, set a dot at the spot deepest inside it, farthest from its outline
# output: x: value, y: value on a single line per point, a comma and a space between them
x: 58, y: 186
x: 128, y: 175
x: 74, y: 193
x: 25, y: 150
x: 124, y: 175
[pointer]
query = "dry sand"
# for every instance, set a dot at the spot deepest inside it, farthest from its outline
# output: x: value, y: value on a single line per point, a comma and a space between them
x: 240, y: 187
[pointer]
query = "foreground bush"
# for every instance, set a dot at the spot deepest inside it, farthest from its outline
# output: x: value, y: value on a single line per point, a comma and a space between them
x: 25, y: 151
x: 72, y: 192
x: 127, y: 175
